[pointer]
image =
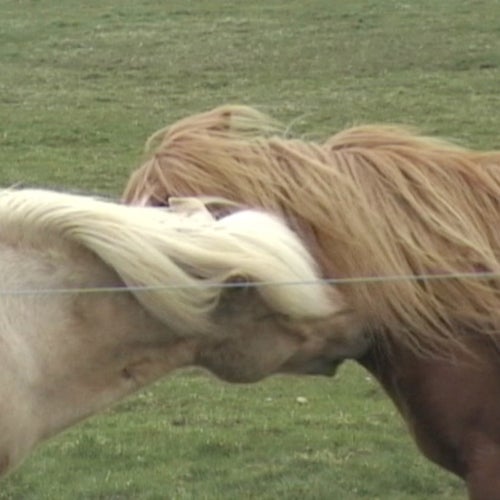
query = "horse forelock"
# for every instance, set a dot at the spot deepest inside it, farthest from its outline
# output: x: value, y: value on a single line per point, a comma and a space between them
x: 377, y: 200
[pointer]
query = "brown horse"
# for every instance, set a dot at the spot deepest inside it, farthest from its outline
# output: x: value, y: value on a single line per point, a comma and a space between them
x: 377, y: 201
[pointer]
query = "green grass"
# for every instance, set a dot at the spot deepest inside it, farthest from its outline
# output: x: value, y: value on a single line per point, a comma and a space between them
x: 82, y: 85
x: 191, y: 437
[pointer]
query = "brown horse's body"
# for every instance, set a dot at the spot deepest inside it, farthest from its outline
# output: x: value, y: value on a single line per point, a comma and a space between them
x: 377, y: 201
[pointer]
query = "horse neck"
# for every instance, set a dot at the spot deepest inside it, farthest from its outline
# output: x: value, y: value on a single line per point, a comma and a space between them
x: 64, y: 357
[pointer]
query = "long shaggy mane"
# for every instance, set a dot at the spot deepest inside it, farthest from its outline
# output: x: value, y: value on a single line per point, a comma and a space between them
x: 369, y: 201
x: 176, y: 262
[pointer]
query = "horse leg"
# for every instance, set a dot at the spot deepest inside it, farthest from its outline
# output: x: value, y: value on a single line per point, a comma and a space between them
x: 18, y: 426
x: 483, y: 475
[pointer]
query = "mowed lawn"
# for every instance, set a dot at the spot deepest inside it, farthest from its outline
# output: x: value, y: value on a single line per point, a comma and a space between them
x: 83, y: 84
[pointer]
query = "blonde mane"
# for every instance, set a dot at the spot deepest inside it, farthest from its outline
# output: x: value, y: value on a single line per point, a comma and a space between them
x: 185, y: 249
x: 370, y: 201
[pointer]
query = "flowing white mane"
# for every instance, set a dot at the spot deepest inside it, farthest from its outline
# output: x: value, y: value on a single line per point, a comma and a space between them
x: 185, y: 249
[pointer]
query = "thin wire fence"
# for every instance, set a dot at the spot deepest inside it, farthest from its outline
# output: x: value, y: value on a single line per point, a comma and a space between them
x: 256, y: 284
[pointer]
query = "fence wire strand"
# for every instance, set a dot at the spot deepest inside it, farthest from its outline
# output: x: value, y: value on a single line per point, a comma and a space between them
x: 257, y: 284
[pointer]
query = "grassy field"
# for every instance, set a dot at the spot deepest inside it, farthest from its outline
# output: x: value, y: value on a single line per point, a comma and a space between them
x: 82, y: 85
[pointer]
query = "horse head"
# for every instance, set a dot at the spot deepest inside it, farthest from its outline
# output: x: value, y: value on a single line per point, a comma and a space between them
x: 286, y: 321
x: 254, y: 342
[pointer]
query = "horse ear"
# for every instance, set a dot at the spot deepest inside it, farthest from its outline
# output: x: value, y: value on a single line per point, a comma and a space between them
x: 185, y: 204
x: 223, y: 120
x: 191, y: 207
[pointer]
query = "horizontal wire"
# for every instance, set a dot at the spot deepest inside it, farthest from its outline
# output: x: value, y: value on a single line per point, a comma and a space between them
x: 255, y: 284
